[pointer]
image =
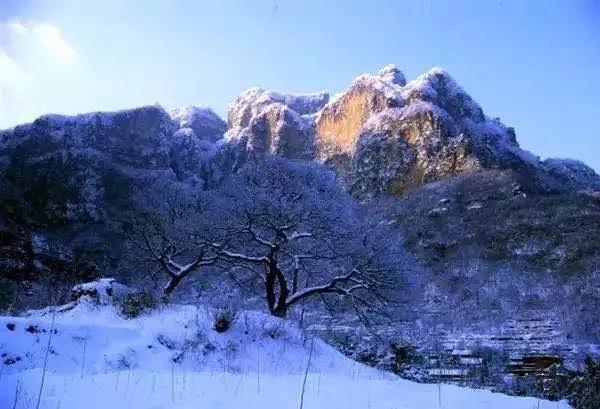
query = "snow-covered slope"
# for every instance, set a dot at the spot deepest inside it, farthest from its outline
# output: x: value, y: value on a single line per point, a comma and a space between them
x: 174, y: 358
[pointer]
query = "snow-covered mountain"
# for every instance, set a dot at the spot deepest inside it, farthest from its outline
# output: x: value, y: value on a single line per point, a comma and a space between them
x: 385, y: 135
x: 494, y: 235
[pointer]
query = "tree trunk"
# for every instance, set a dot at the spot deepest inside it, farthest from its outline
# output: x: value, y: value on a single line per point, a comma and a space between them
x: 277, y: 301
x: 173, y: 283
x: 282, y: 307
x: 270, y: 289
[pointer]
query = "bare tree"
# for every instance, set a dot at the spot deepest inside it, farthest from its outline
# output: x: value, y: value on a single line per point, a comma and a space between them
x: 286, y: 226
x: 279, y: 268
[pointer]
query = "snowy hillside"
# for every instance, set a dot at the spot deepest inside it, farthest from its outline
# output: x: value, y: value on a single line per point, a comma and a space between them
x: 174, y: 358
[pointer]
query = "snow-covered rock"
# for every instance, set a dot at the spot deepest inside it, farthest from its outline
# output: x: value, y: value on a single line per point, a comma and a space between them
x: 272, y: 123
x: 304, y: 104
x: 104, y: 291
x: 386, y: 135
x: 392, y: 74
x: 252, y: 101
x: 438, y: 87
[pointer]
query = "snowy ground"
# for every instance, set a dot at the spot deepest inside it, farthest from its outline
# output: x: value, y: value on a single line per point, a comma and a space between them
x: 173, y: 358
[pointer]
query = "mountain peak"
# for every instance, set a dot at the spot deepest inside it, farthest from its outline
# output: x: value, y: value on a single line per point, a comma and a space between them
x: 392, y: 74
x: 204, y: 123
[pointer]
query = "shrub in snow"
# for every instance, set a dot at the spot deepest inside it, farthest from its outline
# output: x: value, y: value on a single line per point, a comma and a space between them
x: 134, y: 304
x: 223, y: 318
x: 231, y: 349
x: 166, y: 342
x: 584, y: 389
x: 492, y: 368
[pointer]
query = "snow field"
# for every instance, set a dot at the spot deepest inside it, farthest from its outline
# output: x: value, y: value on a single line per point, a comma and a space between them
x: 173, y: 358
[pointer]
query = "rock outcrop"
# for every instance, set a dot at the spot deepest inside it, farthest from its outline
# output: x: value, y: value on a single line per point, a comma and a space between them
x: 70, y: 168
x: 272, y: 123
x: 67, y: 167
x: 104, y: 291
x: 383, y: 135
x: 339, y: 124
x: 203, y: 122
x: 389, y: 136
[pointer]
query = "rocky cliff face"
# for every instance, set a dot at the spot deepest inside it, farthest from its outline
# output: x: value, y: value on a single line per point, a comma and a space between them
x: 438, y: 131
x: 271, y: 123
x: 384, y: 135
x: 340, y: 123
x: 203, y: 122
x: 62, y: 166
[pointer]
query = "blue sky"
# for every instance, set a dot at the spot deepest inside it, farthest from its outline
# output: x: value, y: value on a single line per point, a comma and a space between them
x: 534, y: 64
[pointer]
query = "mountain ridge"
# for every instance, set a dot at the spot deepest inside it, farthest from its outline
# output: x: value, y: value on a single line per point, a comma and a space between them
x: 424, y: 130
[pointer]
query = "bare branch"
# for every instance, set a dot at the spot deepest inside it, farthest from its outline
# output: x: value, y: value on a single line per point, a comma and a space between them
x: 330, y: 287
x: 296, y: 235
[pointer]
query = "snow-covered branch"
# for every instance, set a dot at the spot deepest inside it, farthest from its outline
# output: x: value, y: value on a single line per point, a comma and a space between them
x: 298, y: 235
x: 178, y: 272
x: 238, y: 256
x: 260, y: 239
x: 333, y: 286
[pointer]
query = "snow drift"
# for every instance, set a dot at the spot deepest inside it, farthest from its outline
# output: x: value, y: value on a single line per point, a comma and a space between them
x: 174, y: 358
